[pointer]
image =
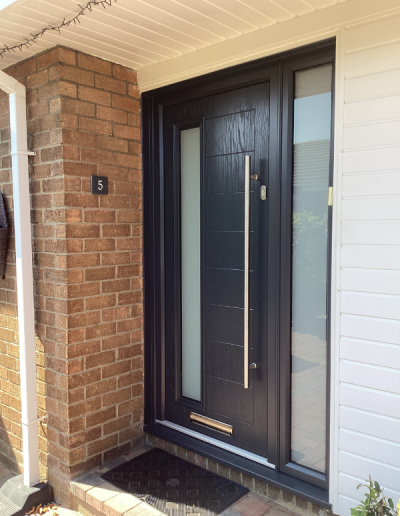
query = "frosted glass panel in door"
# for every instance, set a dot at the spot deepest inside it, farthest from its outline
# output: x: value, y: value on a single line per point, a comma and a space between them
x: 311, y: 164
x: 190, y: 263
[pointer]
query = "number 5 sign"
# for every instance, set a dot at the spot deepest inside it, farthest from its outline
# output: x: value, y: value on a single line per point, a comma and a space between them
x: 99, y: 185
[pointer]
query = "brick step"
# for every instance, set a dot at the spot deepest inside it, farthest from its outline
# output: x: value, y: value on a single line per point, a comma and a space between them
x: 92, y: 496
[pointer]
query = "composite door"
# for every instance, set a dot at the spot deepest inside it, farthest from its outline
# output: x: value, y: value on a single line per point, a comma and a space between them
x: 217, y: 152
x: 246, y: 182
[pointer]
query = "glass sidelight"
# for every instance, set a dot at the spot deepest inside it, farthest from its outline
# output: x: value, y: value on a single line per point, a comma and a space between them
x: 190, y: 263
x: 311, y: 169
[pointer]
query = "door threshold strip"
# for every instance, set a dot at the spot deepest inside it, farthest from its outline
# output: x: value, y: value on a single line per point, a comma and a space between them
x: 215, y: 442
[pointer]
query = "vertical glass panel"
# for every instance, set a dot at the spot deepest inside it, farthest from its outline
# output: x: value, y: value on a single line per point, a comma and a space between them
x: 311, y: 156
x: 190, y: 263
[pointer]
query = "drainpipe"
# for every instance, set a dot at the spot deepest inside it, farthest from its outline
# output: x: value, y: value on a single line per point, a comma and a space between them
x: 23, y: 248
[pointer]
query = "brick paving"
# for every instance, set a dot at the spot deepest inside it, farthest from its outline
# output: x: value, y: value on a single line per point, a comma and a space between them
x: 257, y: 505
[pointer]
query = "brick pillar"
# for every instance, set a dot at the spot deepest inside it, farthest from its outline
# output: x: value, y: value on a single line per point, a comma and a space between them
x: 84, y: 119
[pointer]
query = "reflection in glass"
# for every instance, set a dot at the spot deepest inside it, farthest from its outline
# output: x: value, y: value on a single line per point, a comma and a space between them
x: 311, y: 158
x: 190, y: 263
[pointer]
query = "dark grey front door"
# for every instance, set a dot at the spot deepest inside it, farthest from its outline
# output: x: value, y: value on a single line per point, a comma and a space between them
x: 275, y: 113
x: 206, y: 142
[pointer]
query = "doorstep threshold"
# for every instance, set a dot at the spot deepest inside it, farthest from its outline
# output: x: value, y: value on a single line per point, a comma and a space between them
x: 278, y: 479
x: 220, y: 444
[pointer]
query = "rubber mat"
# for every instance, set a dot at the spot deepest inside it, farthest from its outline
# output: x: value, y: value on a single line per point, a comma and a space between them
x: 174, y: 486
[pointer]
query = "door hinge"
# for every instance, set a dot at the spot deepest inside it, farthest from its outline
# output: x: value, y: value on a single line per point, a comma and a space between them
x: 330, y: 196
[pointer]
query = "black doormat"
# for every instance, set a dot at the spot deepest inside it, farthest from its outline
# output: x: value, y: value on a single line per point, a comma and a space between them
x: 174, y: 486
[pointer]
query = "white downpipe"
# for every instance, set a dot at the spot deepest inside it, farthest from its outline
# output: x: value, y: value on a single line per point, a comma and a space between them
x: 23, y: 248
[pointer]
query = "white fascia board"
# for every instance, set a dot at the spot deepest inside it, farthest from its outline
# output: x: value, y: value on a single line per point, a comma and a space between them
x: 287, y: 35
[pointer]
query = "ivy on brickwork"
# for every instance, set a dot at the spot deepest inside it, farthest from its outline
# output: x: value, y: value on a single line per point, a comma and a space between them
x: 28, y: 42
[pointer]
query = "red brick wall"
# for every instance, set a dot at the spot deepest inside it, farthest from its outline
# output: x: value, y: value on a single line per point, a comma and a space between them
x: 83, y: 119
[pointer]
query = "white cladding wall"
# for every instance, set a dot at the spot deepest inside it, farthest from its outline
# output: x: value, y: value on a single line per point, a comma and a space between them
x: 369, y: 396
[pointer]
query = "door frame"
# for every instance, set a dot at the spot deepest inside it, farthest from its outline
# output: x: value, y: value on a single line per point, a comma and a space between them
x: 287, y: 476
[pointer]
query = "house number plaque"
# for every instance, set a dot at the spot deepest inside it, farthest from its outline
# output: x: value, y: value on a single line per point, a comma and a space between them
x: 99, y: 185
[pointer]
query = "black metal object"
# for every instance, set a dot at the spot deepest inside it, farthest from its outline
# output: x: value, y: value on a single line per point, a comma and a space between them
x: 16, y: 499
x: 274, y: 323
x: 3, y: 237
x: 174, y: 486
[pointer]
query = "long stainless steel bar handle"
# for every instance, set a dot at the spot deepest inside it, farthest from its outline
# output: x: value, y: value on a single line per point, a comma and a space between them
x: 246, y: 268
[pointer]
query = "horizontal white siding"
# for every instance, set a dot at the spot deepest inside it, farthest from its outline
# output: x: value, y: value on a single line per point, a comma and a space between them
x: 372, y: 135
x: 372, y: 305
x: 386, y: 257
x: 374, y: 448
x: 372, y: 110
x: 370, y: 424
x: 371, y: 377
x: 370, y: 400
x: 371, y: 208
x: 372, y: 184
x: 376, y: 281
x: 383, y: 31
x: 374, y: 232
x: 373, y: 60
x: 356, y: 465
x: 369, y: 391
x: 376, y: 86
x: 372, y: 160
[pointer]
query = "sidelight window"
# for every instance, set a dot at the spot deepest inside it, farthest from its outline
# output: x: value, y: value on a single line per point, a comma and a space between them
x: 311, y: 166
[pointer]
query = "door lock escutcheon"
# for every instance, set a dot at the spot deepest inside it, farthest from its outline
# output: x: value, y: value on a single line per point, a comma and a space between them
x: 263, y: 193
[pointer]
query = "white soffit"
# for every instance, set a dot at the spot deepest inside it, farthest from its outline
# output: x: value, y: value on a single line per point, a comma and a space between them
x: 142, y: 33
